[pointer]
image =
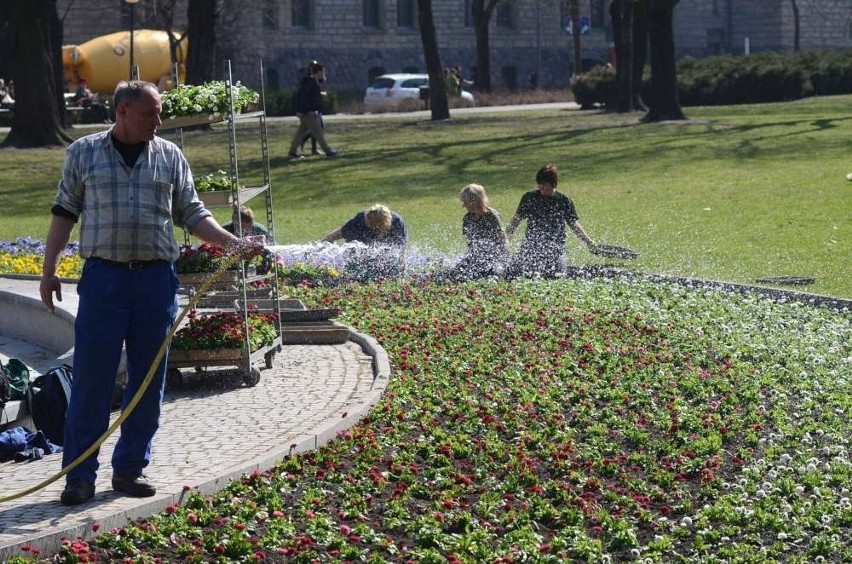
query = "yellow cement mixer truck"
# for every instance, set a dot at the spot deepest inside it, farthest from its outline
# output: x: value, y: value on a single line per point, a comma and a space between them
x: 105, y: 61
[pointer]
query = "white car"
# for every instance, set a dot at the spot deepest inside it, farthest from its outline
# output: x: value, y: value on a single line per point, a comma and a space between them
x: 401, y: 92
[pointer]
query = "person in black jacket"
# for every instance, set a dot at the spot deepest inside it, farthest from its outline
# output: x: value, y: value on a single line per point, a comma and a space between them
x: 308, y: 110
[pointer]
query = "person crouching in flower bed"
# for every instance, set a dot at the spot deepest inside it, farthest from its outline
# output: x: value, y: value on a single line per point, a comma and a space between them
x: 487, y: 246
x: 385, y: 236
x: 542, y: 252
x: 129, y: 189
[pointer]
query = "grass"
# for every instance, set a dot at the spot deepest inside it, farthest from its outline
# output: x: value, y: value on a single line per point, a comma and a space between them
x: 736, y: 193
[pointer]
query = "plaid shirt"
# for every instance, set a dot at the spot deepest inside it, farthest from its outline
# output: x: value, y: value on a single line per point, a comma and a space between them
x: 128, y: 215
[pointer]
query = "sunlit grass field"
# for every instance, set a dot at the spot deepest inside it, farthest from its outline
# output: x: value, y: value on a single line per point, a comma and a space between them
x: 736, y: 193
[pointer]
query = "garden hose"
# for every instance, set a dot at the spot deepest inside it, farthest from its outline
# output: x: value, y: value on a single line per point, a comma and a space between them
x: 134, y: 401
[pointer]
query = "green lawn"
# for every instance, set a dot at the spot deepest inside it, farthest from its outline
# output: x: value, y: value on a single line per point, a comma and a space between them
x: 736, y: 193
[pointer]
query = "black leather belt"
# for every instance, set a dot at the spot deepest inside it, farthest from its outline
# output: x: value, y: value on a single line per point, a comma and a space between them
x: 131, y: 265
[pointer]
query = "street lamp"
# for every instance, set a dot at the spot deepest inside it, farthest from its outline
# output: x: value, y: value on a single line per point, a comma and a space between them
x: 132, y: 4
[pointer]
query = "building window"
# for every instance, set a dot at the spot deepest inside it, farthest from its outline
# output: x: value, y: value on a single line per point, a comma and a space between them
x: 406, y: 13
x: 372, y: 14
x: 300, y: 15
x: 716, y: 41
x: 270, y: 14
x: 504, y: 16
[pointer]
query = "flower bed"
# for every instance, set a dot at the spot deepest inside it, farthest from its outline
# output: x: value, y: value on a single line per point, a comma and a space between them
x: 26, y: 256
x: 577, y: 420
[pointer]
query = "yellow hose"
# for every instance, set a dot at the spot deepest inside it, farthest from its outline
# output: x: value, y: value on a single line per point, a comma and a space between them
x: 125, y: 413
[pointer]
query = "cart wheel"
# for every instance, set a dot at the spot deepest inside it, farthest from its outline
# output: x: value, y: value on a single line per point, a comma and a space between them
x: 269, y: 357
x: 174, y: 379
x: 252, y: 377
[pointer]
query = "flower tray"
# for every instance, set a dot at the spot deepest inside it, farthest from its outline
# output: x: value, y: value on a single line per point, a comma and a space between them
x: 216, y: 198
x: 225, y: 198
x: 189, y: 121
x: 206, y: 356
x: 199, y: 278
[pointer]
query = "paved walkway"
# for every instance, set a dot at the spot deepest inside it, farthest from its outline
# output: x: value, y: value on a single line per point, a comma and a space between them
x: 213, y: 429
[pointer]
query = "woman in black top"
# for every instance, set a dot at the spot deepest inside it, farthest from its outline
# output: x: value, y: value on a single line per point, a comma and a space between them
x: 487, y: 247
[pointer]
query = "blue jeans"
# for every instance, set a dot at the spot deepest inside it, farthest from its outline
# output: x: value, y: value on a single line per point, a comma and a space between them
x: 118, y: 307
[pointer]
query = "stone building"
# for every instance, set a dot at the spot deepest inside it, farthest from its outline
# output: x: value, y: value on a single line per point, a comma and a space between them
x: 358, y: 39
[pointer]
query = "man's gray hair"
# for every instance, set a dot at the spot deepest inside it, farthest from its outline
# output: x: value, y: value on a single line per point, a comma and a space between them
x: 129, y: 91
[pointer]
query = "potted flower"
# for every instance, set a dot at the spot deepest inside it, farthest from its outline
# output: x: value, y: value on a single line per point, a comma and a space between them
x: 214, y: 188
x: 206, y: 103
x: 310, y: 275
x: 197, y: 262
x: 222, y: 336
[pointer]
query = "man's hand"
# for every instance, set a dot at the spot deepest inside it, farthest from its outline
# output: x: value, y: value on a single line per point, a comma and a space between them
x: 247, y: 249
x: 48, y: 286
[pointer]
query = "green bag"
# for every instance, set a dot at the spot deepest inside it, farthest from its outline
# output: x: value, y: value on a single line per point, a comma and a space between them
x: 19, y: 379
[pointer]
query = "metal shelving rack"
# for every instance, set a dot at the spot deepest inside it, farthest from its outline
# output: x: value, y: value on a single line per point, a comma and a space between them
x: 242, y: 300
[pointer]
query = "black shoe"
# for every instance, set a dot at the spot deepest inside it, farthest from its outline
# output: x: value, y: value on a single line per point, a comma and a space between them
x: 134, y: 486
x: 295, y: 156
x: 77, y: 491
x: 331, y: 154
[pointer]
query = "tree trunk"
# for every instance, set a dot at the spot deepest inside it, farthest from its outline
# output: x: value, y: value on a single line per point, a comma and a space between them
x: 39, y: 105
x: 640, y: 53
x: 437, y: 92
x: 663, y: 103
x: 621, y: 14
x: 481, y: 11
x: 797, y: 32
x: 200, y: 59
x: 630, y: 32
x: 575, y: 37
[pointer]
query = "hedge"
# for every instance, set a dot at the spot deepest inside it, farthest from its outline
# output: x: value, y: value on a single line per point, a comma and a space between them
x: 736, y: 79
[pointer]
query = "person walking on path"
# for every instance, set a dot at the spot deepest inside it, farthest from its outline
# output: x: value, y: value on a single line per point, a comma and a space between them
x: 128, y: 189
x: 542, y: 252
x: 309, y: 111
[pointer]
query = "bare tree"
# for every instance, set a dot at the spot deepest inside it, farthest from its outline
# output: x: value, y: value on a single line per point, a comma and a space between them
x: 663, y: 101
x: 35, y: 35
x: 797, y: 32
x: 437, y: 90
x: 200, y: 60
x: 481, y: 12
x: 630, y: 34
x: 576, y: 32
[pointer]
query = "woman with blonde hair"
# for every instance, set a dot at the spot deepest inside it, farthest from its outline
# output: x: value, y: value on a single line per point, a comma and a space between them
x: 385, y: 236
x: 488, y: 248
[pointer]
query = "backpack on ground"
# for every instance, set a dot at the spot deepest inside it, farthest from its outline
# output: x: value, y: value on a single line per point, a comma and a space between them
x: 19, y: 375
x: 47, y: 398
